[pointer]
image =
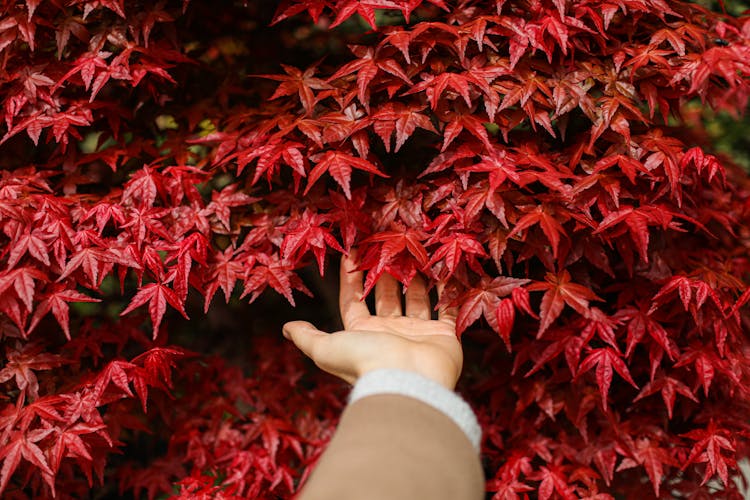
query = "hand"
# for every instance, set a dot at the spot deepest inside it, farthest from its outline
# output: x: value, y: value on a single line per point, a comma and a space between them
x: 389, y: 339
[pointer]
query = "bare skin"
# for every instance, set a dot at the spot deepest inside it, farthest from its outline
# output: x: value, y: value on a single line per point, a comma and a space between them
x: 389, y: 339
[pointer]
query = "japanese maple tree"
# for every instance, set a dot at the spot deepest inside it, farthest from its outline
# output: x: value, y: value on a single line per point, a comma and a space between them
x: 165, y: 163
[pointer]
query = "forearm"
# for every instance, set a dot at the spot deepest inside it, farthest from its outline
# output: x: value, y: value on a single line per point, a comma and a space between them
x: 398, y: 447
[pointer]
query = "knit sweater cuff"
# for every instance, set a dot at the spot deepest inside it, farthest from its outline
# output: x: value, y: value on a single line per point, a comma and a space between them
x: 389, y: 381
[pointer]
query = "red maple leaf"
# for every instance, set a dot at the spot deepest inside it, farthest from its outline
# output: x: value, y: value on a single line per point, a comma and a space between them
x: 367, y: 65
x: 307, y: 233
x: 456, y: 248
x: 547, y: 221
x: 559, y: 291
x: 711, y: 445
x: 339, y: 165
x: 22, y: 362
x: 225, y: 271
x: 68, y: 443
x: 300, y: 83
x: 607, y: 361
x: 23, y: 282
x: 157, y: 295
x: 553, y: 480
x: 377, y: 258
x: 669, y: 388
x: 652, y: 455
x: 483, y: 300
x: 403, y: 120
x: 56, y: 300
x: 23, y: 445
x: 271, y: 271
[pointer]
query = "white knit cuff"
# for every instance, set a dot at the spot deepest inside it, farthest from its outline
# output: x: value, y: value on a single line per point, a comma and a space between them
x: 414, y: 385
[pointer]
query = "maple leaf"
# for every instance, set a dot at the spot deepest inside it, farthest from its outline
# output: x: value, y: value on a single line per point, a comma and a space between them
x: 499, y: 164
x: 95, y: 262
x: 603, y: 326
x: 481, y: 196
x: 117, y: 373
x: 508, y: 490
x: 95, y: 71
x: 150, y: 18
x: 104, y: 212
x: 559, y: 291
x: 684, y: 287
x: 157, y: 295
x: 401, y: 204
x: 640, y: 322
x: 289, y: 8
x: 223, y: 201
x: 70, y: 25
x: 225, y: 271
x: 143, y: 187
x: 394, y: 117
x: 307, y: 233
x: 56, y: 300
x: 143, y: 221
x: 483, y: 300
x: 377, y: 257
x: 669, y: 388
x: 709, y: 445
x: 22, y: 280
x: 68, y: 443
x: 348, y: 216
x: 550, y: 226
x: 270, y: 156
x: 457, y: 122
x: 607, y: 361
x: 636, y: 222
x: 649, y: 453
x: 46, y: 408
x: 457, y: 247
x: 368, y: 64
x: 365, y: 8
x: 339, y: 165
x: 191, y: 248
x: 553, y: 480
x: 300, y: 83
x: 435, y: 86
x: 401, y: 39
x: 23, y: 445
x: 564, y: 340
x: 22, y: 362
x: 271, y: 271
x: 153, y: 368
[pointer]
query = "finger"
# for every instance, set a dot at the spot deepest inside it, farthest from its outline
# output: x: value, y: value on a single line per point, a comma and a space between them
x: 447, y: 314
x: 387, y: 296
x: 330, y: 351
x: 306, y: 337
x: 351, y: 305
x: 417, y: 299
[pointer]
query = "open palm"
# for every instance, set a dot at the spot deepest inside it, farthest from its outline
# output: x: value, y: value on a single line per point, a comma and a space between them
x: 388, y: 339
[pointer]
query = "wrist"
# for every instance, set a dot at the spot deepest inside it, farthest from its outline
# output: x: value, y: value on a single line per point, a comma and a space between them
x: 443, y: 380
x: 446, y: 373
x: 414, y: 385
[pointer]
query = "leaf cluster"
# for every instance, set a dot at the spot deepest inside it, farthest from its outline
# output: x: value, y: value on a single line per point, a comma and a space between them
x: 536, y: 156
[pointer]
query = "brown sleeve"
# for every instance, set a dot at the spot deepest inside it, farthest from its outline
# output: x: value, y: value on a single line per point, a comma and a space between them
x: 395, y: 447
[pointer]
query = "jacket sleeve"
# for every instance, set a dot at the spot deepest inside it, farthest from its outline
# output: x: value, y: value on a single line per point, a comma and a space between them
x: 397, y: 447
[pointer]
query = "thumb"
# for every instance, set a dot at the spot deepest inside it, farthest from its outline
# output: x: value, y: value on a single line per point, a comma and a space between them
x: 305, y: 336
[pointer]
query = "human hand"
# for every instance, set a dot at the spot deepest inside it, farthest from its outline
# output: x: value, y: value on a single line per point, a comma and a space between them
x: 411, y: 342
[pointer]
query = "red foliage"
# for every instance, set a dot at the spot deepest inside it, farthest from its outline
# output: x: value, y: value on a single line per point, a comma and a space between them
x: 534, y: 154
